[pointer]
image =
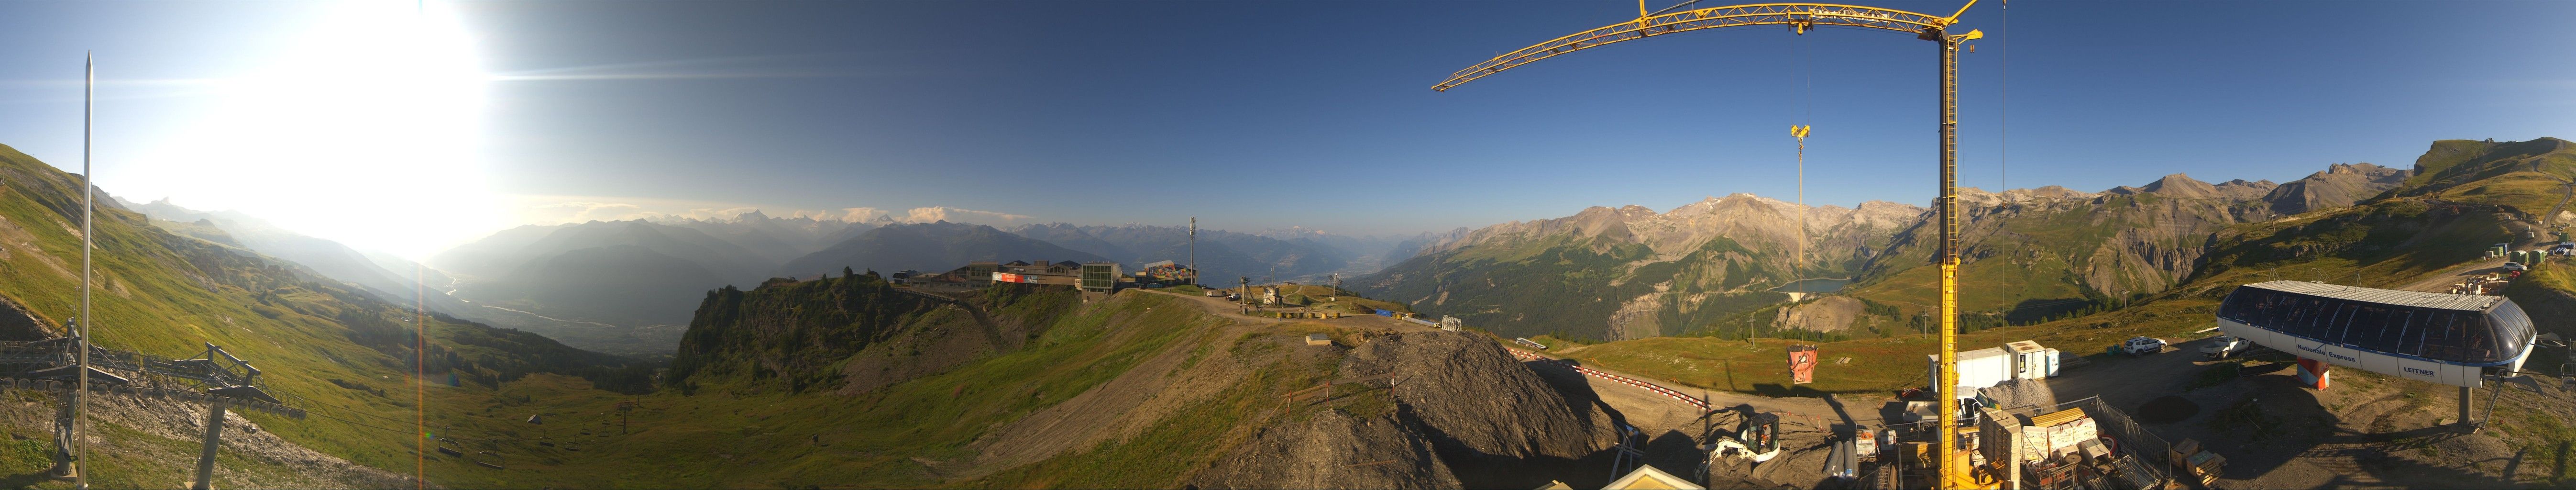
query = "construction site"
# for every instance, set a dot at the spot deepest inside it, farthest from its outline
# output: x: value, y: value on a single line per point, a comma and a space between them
x: 2228, y: 408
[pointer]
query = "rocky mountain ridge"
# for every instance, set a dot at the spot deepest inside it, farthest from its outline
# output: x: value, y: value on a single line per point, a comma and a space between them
x: 1718, y: 257
x: 929, y: 247
x: 1221, y: 255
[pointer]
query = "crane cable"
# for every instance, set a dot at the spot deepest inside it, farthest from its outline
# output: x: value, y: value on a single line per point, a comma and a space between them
x: 1806, y: 84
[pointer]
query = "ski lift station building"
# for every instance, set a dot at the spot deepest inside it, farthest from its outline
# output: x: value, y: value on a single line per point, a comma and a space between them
x: 2453, y: 339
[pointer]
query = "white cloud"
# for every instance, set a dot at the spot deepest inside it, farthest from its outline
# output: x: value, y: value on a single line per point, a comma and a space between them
x: 844, y: 214
x: 703, y: 214
x: 944, y: 213
x: 554, y: 210
x: 584, y: 211
x: 862, y: 214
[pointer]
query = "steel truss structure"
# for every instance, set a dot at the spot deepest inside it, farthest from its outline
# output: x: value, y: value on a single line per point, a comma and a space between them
x: 214, y: 377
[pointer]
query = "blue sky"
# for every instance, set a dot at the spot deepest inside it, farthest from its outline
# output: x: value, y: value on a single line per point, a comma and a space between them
x: 1248, y: 115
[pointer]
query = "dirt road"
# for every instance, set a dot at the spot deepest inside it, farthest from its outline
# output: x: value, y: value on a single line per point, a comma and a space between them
x: 2442, y: 282
x: 1228, y: 309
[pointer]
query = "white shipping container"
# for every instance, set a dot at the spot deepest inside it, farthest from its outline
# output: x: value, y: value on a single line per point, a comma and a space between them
x: 1977, y: 369
x: 1987, y: 367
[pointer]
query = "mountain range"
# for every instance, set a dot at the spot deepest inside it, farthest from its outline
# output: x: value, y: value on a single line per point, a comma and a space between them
x: 929, y: 247
x: 1295, y: 255
x: 390, y: 276
x: 850, y: 380
x: 1631, y: 272
x: 320, y: 344
x: 626, y: 287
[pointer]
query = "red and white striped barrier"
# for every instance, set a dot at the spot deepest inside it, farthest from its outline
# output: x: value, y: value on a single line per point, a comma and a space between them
x: 1659, y: 389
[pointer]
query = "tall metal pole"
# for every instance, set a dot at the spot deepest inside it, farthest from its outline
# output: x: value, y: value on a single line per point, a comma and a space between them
x: 420, y: 376
x: 1194, y: 251
x: 89, y: 203
x: 214, y: 433
x: 1949, y: 203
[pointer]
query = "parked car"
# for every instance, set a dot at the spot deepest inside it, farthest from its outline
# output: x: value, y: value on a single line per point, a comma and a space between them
x: 2226, y: 346
x: 2515, y: 266
x: 2142, y: 345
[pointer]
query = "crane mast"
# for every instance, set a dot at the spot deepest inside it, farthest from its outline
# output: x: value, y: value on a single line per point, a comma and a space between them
x: 1801, y: 17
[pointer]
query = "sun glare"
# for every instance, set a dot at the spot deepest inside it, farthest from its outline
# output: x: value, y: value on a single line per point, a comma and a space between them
x: 368, y: 133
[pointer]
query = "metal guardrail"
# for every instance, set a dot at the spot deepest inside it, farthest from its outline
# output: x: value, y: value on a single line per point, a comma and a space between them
x: 213, y: 370
x: 1658, y: 389
x: 242, y: 403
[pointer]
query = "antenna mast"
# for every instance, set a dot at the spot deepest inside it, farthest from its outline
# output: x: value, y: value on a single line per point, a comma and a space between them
x: 89, y: 203
x: 1194, y: 250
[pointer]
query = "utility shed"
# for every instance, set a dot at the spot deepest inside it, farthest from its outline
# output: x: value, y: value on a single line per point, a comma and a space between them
x: 2032, y: 361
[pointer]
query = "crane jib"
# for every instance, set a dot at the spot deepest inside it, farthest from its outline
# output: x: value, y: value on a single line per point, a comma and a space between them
x: 1800, y: 17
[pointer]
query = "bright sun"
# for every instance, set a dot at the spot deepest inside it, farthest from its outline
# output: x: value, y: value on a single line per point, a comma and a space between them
x: 368, y: 131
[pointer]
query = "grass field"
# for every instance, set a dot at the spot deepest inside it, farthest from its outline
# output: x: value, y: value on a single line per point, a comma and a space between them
x: 895, y: 437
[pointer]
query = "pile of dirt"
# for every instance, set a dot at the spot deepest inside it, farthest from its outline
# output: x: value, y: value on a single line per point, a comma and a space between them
x: 1478, y: 401
x: 2018, y: 393
x: 1804, y: 449
x: 1333, y: 450
x: 1463, y: 409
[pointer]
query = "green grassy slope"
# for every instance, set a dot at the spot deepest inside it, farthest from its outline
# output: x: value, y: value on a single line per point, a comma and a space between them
x: 741, y: 429
x: 2047, y: 261
x: 1528, y: 287
x: 164, y: 294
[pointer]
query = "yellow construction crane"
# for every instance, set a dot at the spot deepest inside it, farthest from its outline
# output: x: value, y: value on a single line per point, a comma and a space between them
x: 1801, y: 17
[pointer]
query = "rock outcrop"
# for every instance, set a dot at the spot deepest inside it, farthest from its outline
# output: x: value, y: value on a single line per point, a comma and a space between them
x: 1825, y: 314
x: 2179, y: 185
x: 1477, y: 401
x: 1630, y: 272
x: 1329, y: 451
x: 2340, y: 185
x: 1466, y: 414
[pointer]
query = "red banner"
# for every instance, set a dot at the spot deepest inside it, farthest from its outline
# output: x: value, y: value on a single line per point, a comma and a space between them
x: 1802, y: 364
x: 1009, y: 277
